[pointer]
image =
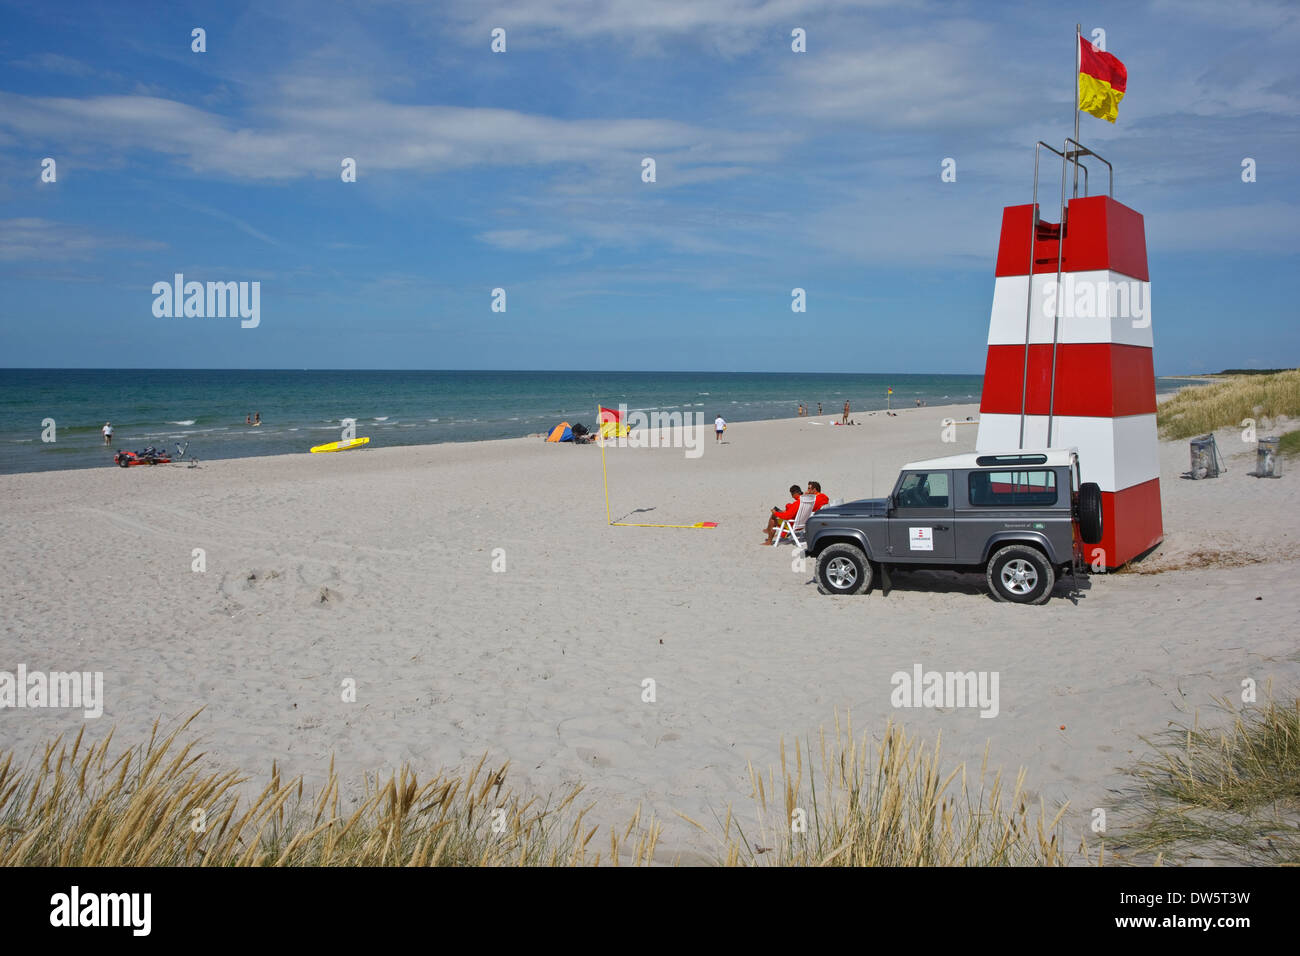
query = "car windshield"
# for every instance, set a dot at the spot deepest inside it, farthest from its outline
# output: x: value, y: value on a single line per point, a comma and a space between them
x: 924, y: 489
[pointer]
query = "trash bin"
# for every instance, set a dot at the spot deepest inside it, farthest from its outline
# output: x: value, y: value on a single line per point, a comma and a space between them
x: 1268, y: 463
x: 1205, y: 457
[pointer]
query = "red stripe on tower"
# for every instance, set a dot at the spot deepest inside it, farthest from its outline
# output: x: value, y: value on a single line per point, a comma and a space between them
x: 1096, y: 322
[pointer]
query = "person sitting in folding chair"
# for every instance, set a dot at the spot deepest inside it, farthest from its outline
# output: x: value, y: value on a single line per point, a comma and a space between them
x: 790, y: 520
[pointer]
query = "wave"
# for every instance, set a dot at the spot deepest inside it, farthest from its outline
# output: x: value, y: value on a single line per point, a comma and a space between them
x: 381, y: 418
x: 188, y: 421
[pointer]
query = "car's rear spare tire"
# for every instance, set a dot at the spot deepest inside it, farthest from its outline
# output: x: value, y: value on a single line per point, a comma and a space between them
x: 1090, y: 521
x: 843, y: 569
x: 1021, y: 575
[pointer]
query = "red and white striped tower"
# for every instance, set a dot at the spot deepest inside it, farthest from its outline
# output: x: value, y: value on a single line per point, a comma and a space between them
x: 1076, y: 370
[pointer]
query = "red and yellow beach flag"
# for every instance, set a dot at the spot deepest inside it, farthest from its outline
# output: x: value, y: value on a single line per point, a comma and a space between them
x: 611, y: 423
x: 1103, y: 80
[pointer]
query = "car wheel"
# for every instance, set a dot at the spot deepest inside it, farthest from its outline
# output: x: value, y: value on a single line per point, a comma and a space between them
x: 1090, y: 522
x: 1020, y: 574
x: 843, y: 569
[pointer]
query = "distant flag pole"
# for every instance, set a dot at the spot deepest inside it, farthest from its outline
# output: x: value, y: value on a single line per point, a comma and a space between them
x: 604, y: 473
x: 604, y: 415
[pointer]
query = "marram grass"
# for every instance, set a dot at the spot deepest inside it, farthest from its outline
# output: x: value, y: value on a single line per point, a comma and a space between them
x: 1231, y: 794
x: 892, y: 803
x: 152, y: 805
x: 886, y: 804
x: 1228, y: 794
x: 1201, y: 409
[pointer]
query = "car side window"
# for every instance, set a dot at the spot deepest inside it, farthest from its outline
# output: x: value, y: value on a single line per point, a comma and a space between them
x: 1013, y: 488
x: 924, y: 489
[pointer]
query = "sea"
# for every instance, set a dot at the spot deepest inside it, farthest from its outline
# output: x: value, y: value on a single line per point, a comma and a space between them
x: 51, y: 418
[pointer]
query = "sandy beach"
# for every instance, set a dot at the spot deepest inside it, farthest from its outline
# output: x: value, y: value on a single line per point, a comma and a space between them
x: 377, y: 567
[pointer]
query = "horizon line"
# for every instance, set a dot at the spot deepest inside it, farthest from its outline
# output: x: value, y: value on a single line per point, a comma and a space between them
x: 583, y: 371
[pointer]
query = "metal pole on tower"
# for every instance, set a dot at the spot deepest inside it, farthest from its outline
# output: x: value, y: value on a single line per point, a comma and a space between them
x: 1078, y: 65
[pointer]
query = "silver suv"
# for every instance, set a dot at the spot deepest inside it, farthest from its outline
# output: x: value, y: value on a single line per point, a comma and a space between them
x: 1020, y: 518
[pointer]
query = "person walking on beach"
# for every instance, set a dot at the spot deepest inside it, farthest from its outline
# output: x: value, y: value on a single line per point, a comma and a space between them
x: 719, y: 426
x: 108, y: 433
x: 845, y: 419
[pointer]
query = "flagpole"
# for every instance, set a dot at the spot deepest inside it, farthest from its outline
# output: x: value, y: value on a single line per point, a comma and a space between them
x: 1078, y: 65
x: 604, y: 474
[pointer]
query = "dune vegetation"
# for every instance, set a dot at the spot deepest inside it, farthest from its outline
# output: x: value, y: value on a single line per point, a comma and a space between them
x: 161, y: 804
x: 1227, y: 795
x: 1228, y: 402
x: 891, y: 803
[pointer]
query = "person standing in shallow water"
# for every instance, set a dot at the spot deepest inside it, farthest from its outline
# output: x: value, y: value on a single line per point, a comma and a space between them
x: 819, y: 408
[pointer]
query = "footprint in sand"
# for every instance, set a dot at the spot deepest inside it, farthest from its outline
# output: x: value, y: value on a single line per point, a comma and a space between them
x: 256, y: 578
x: 327, y: 597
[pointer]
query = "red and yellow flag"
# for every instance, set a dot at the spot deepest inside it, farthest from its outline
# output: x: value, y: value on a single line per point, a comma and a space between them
x: 611, y: 424
x: 1102, y: 82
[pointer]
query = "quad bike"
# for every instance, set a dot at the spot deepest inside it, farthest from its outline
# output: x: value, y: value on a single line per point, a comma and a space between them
x: 154, y: 456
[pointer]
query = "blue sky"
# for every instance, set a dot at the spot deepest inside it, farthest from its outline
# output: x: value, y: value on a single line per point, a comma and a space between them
x: 522, y: 170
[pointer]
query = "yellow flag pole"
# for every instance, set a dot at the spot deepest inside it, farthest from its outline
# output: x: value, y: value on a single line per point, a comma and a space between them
x: 604, y: 472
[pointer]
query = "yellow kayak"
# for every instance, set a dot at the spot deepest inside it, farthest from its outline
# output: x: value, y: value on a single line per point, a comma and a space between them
x: 340, y: 445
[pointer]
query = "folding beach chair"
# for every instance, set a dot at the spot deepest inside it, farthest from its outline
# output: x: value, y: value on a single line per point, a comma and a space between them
x: 794, y: 527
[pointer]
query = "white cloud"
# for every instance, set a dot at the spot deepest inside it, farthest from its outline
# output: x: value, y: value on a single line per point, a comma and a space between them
x: 521, y: 240
x: 47, y: 241
x: 294, y: 139
x: 731, y: 26
x: 53, y: 63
